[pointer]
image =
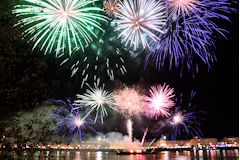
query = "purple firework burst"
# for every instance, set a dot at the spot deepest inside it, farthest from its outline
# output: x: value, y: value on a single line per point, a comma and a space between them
x: 184, y: 120
x: 190, y: 32
x: 70, y: 121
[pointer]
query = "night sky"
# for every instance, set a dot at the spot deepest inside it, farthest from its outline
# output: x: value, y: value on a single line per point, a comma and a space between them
x: 217, y: 89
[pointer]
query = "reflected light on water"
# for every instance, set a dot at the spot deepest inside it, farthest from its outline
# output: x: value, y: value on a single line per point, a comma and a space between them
x: 218, y: 153
x: 207, y: 153
x: 177, y: 153
x: 58, y: 155
x: 68, y: 155
x: 131, y: 157
x: 36, y: 154
x: 99, y: 156
x: 213, y: 153
x: 187, y: 153
x: 236, y: 152
x: 232, y: 153
x: 195, y: 153
x: 200, y: 153
x: 228, y: 153
x: 164, y: 155
x: 78, y: 155
x: 224, y: 153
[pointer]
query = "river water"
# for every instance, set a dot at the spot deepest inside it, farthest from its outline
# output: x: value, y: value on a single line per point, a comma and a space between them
x: 164, y: 155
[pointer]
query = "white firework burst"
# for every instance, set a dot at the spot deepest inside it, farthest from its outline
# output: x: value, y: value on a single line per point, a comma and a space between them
x: 62, y: 26
x: 138, y: 21
x: 183, y: 6
x: 110, y: 7
x: 98, y: 99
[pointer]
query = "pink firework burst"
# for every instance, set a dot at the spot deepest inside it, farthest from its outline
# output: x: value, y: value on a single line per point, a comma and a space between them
x: 129, y: 101
x: 110, y: 7
x: 184, y: 6
x: 159, y: 102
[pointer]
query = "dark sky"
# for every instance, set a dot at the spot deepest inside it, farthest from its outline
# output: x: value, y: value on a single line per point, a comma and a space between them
x: 217, y: 90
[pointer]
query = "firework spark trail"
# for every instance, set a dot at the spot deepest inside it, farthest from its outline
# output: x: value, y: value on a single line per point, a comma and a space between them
x: 189, y: 33
x: 59, y: 25
x: 130, y: 129
x: 159, y: 102
x: 128, y: 101
x: 151, y: 142
x: 91, y: 67
x: 139, y: 20
x: 61, y: 110
x: 97, y: 99
x: 144, y: 135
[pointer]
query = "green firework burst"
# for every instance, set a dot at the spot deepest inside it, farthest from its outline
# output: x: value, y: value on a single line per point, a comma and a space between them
x: 60, y: 26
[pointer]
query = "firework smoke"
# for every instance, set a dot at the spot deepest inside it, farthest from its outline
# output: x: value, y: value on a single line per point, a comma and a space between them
x: 128, y: 101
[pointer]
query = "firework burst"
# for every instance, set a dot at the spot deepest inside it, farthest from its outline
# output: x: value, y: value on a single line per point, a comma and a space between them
x: 70, y: 121
x: 110, y: 7
x: 60, y: 25
x: 74, y: 124
x: 62, y: 108
x: 189, y: 33
x: 97, y: 98
x: 160, y: 101
x: 139, y: 20
x: 106, y: 61
x: 184, y: 120
x: 128, y: 101
x: 183, y: 6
